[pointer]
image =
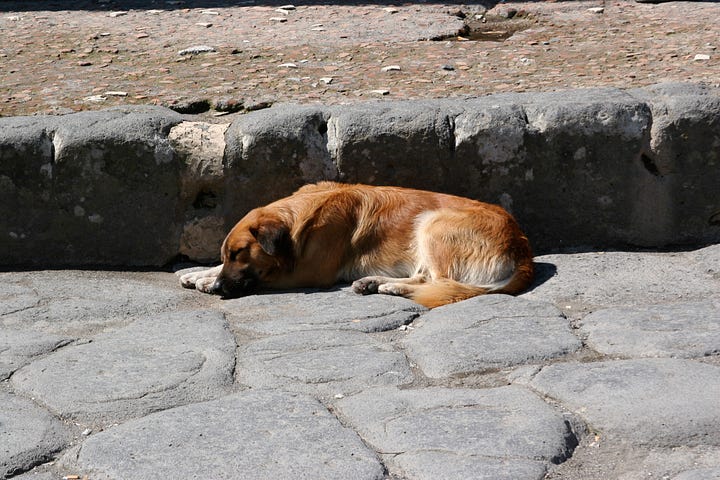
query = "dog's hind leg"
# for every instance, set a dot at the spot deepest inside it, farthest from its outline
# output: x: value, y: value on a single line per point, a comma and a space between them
x: 202, y: 280
x: 372, y: 284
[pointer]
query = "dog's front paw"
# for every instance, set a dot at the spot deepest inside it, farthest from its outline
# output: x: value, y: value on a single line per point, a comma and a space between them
x: 205, y: 284
x: 366, y: 286
x: 189, y: 279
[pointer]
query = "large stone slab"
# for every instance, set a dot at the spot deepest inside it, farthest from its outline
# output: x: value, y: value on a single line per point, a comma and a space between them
x: 488, y: 332
x: 321, y: 362
x: 155, y: 363
x: 583, y: 282
x: 19, y: 347
x: 29, y: 435
x: 89, y: 188
x: 500, y: 433
x: 250, y: 435
x: 651, y: 402
x: 80, y: 303
x: 688, y: 329
x: 274, y: 313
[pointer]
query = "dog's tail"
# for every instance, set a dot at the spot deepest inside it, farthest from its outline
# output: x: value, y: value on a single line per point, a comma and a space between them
x: 442, y: 291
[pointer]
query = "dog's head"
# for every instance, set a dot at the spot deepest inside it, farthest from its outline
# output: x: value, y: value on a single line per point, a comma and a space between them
x: 256, y: 251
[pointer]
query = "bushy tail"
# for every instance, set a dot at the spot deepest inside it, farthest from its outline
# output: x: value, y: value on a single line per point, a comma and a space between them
x: 445, y: 290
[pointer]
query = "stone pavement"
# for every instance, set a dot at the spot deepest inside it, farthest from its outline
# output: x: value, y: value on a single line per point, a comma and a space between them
x: 101, y: 53
x: 607, y: 369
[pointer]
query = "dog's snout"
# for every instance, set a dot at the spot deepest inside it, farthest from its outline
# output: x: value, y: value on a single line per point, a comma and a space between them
x: 217, y: 287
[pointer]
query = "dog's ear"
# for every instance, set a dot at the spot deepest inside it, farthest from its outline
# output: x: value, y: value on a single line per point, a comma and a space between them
x: 274, y: 238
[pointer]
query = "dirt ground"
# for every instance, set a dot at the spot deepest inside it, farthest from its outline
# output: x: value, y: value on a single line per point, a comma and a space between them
x: 102, y: 53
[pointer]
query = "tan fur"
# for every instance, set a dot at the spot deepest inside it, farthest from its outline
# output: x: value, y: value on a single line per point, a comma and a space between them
x: 432, y: 248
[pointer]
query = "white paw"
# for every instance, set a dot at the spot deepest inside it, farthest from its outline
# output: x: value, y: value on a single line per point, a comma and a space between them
x: 205, y: 284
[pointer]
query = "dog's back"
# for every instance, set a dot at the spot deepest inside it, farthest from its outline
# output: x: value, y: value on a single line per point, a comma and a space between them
x: 431, y: 247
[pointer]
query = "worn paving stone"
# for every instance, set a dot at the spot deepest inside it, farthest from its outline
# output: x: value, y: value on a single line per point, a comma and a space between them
x: 274, y: 313
x: 429, y: 433
x: 326, y: 362
x: 155, y: 363
x: 249, y: 435
x: 488, y: 332
x: 29, y: 435
x: 19, y: 347
x: 72, y: 302
x: 689, y: 329
x: 651, y: 402
x: 583, y: 282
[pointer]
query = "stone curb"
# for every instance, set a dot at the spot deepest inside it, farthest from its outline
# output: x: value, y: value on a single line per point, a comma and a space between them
x: 140, y: 185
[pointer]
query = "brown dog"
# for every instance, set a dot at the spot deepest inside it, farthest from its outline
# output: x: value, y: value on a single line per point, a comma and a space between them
x: 430, y: 247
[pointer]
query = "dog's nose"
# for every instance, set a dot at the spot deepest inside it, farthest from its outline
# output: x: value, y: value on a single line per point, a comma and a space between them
x: 217, y: 287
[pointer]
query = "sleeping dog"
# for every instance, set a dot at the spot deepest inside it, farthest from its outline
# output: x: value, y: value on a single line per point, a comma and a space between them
x: 430, y: 247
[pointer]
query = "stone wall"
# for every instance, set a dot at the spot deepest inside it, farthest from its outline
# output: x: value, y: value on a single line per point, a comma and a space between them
x: 136, y: 186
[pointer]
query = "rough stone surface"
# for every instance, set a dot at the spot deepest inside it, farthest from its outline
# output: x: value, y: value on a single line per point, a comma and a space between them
x: 654, y: 331
x: 486, y: 333
x: 251, y: 435
x: 28, y: 435
x: 584, y: 282
x: 18, y: 348
x: 139, y: 346
x: 653, y: 402
x: 92, y: 187
x: 506, y: 431
x: 81, y: 302
x: 134, y: 186
x: 274, y: 313
x: 324, y: 362
x: 155, y: 363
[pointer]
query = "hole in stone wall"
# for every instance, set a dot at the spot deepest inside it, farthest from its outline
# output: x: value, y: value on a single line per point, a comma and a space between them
x: 650, y: 165
x: 205, y: 199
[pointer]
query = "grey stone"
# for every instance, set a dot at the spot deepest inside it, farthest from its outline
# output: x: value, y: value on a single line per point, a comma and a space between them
x: 89, y: 188
x: 274, y: 313
x: 29, y: 435
x: 681, y: 158
x: 652, y: 402
x: 488, y: 332
x: 19, y: 347
x: 507, y: 431
x: 583, y: 282
x: 156, y: 362
x: 271, y: 153
x: 321, y: 362
x: 688, y: 329
x: 250, y: 435
x: 75, y: 302
x: 699, y: 474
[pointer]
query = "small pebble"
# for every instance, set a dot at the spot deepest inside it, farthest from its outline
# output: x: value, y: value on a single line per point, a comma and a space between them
x: 116, y: 14
x: 391, y: 10
x: 288, y: 65
x: 278, y: 19
x: 86, y: 432
x: 287, y: 7
x: 701, y: 56
x: 449, y: 68
x: 326, y: 80
x: 204, y: 24
x: 596, y: 10
x: 95, y: 98
x: 209, y: 12
x: 116, y: 93
x: 391, y: 68
x: 380, y: 92
x: 197, y: 49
